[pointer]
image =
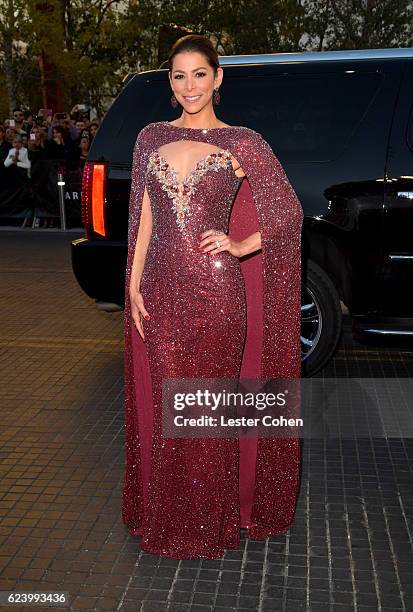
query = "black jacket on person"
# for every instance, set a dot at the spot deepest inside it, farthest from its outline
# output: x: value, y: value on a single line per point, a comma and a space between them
x: 37, y: 153
x: 5, y: 147
x: 57, y: 151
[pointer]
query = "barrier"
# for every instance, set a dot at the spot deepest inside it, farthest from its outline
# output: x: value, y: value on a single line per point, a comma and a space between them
x: 51, y: 191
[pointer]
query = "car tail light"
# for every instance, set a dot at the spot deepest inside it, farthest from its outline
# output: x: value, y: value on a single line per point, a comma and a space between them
x: 93, y: 197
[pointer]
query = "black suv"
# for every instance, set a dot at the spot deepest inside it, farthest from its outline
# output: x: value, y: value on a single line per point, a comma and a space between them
x: 341, y: 123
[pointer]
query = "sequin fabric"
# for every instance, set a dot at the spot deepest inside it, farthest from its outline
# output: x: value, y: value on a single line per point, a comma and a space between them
x: 190, y: 506
x: 180, y: 193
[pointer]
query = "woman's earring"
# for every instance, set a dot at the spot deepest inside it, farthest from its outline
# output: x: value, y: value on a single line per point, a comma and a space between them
x: 217, y: 97
x: 174, y: 101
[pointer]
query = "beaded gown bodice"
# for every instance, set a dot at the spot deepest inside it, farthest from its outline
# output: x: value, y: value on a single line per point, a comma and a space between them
x: 181, y: 191
x: 184, y: 204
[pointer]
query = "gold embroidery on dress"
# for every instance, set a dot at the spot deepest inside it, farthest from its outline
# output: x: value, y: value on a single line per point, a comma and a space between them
x: 180, y: 192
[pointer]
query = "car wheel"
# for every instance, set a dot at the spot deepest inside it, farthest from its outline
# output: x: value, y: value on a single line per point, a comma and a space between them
x: 321, y: 320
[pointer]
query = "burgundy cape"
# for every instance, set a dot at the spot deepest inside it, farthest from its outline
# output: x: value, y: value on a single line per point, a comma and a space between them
x: 265, y: 202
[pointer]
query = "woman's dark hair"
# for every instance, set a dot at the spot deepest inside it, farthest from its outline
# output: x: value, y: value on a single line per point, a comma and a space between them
x: 58, y: 128
x: 198, y: 43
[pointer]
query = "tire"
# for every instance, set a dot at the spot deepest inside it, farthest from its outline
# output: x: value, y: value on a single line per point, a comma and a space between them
x: 321, y: 320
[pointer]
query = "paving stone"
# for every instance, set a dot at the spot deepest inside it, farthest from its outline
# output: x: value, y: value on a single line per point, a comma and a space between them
x: 62, y: 456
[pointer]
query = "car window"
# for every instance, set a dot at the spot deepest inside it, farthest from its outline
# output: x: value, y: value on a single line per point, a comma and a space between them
x: 410, y: 129
x: 307, y: 117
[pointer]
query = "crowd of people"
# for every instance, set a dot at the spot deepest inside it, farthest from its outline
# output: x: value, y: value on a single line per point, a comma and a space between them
x: 61, y: 136
x: 28, y: 143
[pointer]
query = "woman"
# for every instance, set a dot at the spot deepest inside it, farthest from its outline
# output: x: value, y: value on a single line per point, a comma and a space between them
x: 36, y: 144
x: 57, y: 147
x: 44, y: 177
x: 189, y: 303
x: 84, y: 146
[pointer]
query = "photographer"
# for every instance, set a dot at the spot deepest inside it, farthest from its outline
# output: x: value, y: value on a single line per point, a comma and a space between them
x: 64, y: 121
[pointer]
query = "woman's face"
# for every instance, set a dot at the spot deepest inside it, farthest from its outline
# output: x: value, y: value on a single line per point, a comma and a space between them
x: 193, y: 80
x: 84, y: 142
x: 93, y: 129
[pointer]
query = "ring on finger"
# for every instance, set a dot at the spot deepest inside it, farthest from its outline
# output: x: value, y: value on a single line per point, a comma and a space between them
x: 218, y: 244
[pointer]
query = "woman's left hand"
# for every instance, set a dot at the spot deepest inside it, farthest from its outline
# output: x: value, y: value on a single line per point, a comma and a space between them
x: 209, y: 245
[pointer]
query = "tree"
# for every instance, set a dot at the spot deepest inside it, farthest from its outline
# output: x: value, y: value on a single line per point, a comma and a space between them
x: 94, y: 45
x: 11, y: 12
x: 359, y: 24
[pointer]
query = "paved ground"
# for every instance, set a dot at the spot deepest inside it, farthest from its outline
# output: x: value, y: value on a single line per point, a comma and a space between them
x: 61, y: 458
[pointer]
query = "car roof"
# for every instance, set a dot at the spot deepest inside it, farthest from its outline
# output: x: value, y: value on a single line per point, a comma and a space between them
x: 296, y: 58
x: 317, y: 56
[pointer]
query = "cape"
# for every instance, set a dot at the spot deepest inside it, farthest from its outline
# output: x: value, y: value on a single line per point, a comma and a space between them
x: 265, y: 202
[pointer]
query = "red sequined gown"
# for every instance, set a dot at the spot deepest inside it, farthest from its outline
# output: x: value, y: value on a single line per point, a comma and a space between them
x: 211, y: 317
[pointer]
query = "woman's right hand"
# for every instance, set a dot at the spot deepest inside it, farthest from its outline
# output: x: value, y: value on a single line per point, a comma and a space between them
x: 138, y: 310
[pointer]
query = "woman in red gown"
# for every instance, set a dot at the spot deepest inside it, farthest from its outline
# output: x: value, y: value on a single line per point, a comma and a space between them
x: 204, y: 196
